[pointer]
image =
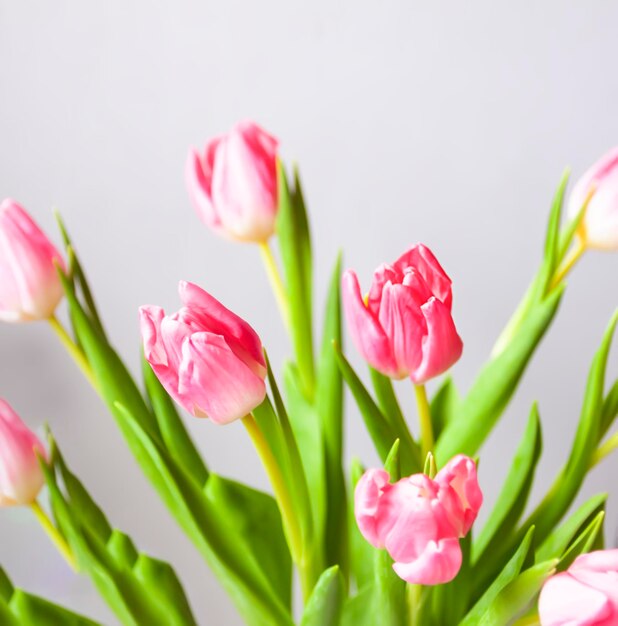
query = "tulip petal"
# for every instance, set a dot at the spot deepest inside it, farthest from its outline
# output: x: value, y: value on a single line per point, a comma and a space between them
x: 367, y: 334
x: 422, y: 259
x: 403, y: 323
x: 436, y: 565
x: 198, y: 178
x: 217, y: 319
x: 219, y: 385
x: 442, y: 346
x: 567, y: 602
x: 367, y: 494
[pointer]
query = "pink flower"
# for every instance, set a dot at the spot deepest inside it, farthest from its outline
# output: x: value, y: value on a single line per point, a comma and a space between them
x: 208, y: 359
x: 29, y: 285
x: 21, y: 477
x: 233, y: 183
x: 419, y: 521
x: 599, y: 227
x: 404, y: 327
x: 585, y: 595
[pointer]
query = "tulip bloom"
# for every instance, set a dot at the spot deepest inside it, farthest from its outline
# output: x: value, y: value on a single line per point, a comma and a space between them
x: 29, y: 285
x: 585, y: 595
x: 404, y: 326
x: 207, y: 358
x: 21, y: 477
x: 233, y: 183
x: 419, y: 521
x: 599, y: 227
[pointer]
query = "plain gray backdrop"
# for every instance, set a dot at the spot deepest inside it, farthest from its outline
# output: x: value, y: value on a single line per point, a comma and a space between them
x: 443, y: 122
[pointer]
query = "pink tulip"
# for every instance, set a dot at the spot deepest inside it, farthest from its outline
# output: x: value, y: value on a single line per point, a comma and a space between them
x: 21, y: 477
x: 207, y: 358
x: 584, y: 595
x: 404, y: 326
x: 599, y: 227
x: 29, y: 285
x: 419, y: 521
x: 233, y: 183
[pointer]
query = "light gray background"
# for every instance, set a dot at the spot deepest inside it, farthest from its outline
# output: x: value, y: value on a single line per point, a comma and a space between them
x: 444, y: 122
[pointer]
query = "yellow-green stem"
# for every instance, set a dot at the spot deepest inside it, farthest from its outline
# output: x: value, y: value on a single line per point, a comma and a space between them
x: 414, y: 604
x: 78, y: 356
x: 54, y: 534
x: 293, y: 533
x: 570, y: 260
x: 424, y: 416
x: 604, y: 450
x: 276, y: 281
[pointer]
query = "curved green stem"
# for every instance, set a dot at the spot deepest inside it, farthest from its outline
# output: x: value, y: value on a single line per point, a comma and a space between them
x: 303, y: 561
x: 78, y: 356
x: 424, y: 416
x: 54, y: 534
x: 276, y: 281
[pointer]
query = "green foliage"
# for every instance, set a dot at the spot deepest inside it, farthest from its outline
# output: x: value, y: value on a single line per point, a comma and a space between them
x: 326, y: 602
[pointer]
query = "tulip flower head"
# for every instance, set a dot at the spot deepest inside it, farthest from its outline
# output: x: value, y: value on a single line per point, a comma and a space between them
x: 30, y: 288
x: 233, y: 183
x: 584, y: 595
x: 207, y: 358
x: 599, y: 227
x: 404, y: 326
x: 21, y: 477
x: 419, y: 521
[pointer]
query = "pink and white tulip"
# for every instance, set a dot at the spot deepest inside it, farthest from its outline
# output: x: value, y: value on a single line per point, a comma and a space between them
x: 207, y: 358
x: 21, y: 477
x: 404, y: 326
x: 419, y: 521
x: 233, y: 183
x: 599, y: 228
x: 584, y: 595
x: 29, y: 285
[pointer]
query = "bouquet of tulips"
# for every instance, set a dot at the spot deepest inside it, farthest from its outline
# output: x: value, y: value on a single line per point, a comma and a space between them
x: 390, y: 545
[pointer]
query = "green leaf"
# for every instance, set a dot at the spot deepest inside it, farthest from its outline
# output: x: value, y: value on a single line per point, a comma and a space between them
x: 583, y: 543
x: 390, y: 590
x: 507, y: 575
x: 329, y: 407
x: 253, y: 517
x: 173, y: 432
x: 6, y: 588
x: 360, y: 610
x: 377, y: 425
x: 387, y: 401
x: 561, y: 537
x: 326, y: 601
x: 24, y: 609
x: 517, y: 595
x: 444, y: 406
x: 609, y: 411
x: 295, y: 245
x: 493, y: 388
x: 512, y: 500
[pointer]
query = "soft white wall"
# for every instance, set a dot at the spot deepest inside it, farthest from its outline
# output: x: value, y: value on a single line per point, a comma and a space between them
x: 445, y: 122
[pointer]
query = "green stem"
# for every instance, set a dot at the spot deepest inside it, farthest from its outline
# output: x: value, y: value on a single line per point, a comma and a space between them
x: 286, y: 507
x: 78, y: 356
x: 415, y: 593
x: 276, y: 281
x: 54, y: 534
x: 424, y: 415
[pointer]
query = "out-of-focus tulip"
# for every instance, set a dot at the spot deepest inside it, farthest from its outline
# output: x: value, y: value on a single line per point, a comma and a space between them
x: 233, y: 183
x: 419, y: 521
x: 404, y: 326
x: 29, y: 285
x: 599, y: 228
x: 21, y: 477
x: 584, y: 595
x: 207, y: 358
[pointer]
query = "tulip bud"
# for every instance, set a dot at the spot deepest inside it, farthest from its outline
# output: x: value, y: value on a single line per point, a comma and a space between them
x: 207, y: 358
x: 584, y: 595
x: 233, y: 183
x: 21, y: 477
x: 419, y: 521
x: 404, y: 327
x: 599, y: 227
x: 30, y: 288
